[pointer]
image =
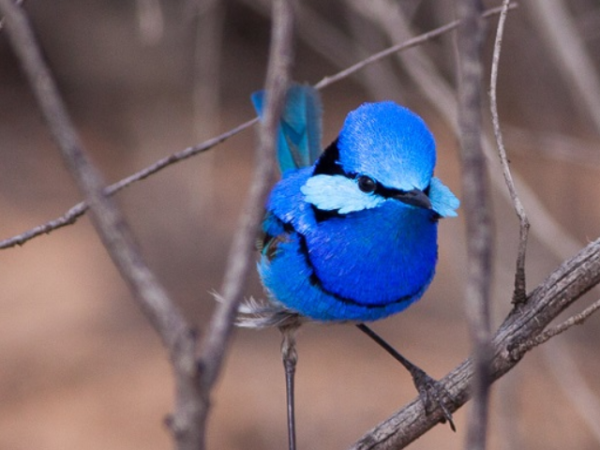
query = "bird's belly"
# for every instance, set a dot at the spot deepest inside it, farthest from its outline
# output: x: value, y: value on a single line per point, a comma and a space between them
x: 373, y: 269
x: 339, y: 276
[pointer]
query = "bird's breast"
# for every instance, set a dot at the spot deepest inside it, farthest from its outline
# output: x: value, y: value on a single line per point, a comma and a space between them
x: 374, y: 257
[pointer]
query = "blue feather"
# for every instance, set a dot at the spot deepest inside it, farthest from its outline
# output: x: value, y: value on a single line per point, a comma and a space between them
x: 299, y: 134
x: 340, y: 248
x: 350, y: 235
x: 338, y: 193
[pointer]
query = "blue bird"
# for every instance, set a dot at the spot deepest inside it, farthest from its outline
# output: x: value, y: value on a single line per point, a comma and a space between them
x: 350, y: 233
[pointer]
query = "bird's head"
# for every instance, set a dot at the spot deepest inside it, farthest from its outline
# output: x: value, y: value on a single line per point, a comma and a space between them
x: 384, y: 151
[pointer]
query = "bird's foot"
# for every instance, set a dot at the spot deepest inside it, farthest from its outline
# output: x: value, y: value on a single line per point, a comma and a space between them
x: 433, y: 394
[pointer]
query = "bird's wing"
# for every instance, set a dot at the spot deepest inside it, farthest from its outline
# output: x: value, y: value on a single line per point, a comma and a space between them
x: 299, y: 135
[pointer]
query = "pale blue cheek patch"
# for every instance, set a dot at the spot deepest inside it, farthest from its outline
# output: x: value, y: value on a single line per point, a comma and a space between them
x: 443, y: 201
x: 338, y: 193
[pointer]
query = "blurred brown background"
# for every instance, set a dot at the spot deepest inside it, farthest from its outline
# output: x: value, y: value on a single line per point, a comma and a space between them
x: 79, y: 365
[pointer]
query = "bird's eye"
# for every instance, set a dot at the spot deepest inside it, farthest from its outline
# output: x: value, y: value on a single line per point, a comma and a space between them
x: 366, y: 184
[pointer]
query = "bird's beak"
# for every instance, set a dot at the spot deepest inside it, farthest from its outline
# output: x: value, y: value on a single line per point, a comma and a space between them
x: 415, y: 197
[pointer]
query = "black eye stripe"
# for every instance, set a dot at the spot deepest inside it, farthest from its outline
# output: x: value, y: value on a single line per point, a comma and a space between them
x: 377, y: 187
x: 328, y: 164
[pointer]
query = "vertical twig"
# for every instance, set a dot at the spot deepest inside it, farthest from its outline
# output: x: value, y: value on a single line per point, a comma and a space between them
x: 477, y: 215
x: 520, y: 291
x: 280, y: 60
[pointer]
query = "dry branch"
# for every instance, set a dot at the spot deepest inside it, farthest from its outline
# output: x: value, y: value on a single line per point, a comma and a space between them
x: 520, y: 284
x: 160, y: 310
x: 71, y: 216
x: 478, y: 216
x: 525, y: 323
x: 563, y: 287
x: 241, y: 251
x: 194, y: 378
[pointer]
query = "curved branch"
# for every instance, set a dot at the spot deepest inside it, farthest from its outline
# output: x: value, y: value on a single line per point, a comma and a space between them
x: 520, y: 290
x: 114, y: 232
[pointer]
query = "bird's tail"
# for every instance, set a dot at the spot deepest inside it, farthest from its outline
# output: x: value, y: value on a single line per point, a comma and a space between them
x: 299, y: 135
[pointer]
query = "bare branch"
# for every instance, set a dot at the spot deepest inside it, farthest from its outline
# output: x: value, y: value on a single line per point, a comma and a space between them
x: 380, y: 80
x: 563, y: 287
x: 241, y: 250
x: 478, y: 216
x: 441, y: 96
x: 160, y: 310
x: 107, y: 219
x: 520, y: 291
x: 577, y: 319
x: 413, y: 42
x: 78, y: 210
x: 71, y: 216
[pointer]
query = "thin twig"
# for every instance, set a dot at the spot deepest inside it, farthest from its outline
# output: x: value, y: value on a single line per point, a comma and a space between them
x: 577, y: 319
x: 152, y: 299
x: 441, y: 97
x: 397, y: 48
x: 238, y: 264
x: 569, y: 282
x: 71, y: 216
x: 520, y: 291
x: 78, y: 210
x: 477, y: 216
x: 315, y: 31
x: 107, y: 218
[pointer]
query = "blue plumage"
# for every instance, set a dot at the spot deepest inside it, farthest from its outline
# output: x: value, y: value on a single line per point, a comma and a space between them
x: 299, y: 135
x: 352, y: 235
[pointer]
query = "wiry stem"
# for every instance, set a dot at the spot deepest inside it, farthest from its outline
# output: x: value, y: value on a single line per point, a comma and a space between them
x: 520, y: 285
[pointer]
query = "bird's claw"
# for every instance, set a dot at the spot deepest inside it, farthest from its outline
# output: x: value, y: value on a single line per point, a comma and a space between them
x: 433, y: 394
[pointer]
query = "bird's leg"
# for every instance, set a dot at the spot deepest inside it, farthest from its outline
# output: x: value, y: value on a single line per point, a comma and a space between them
x: 430, y: 390
x: 290, y: 358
